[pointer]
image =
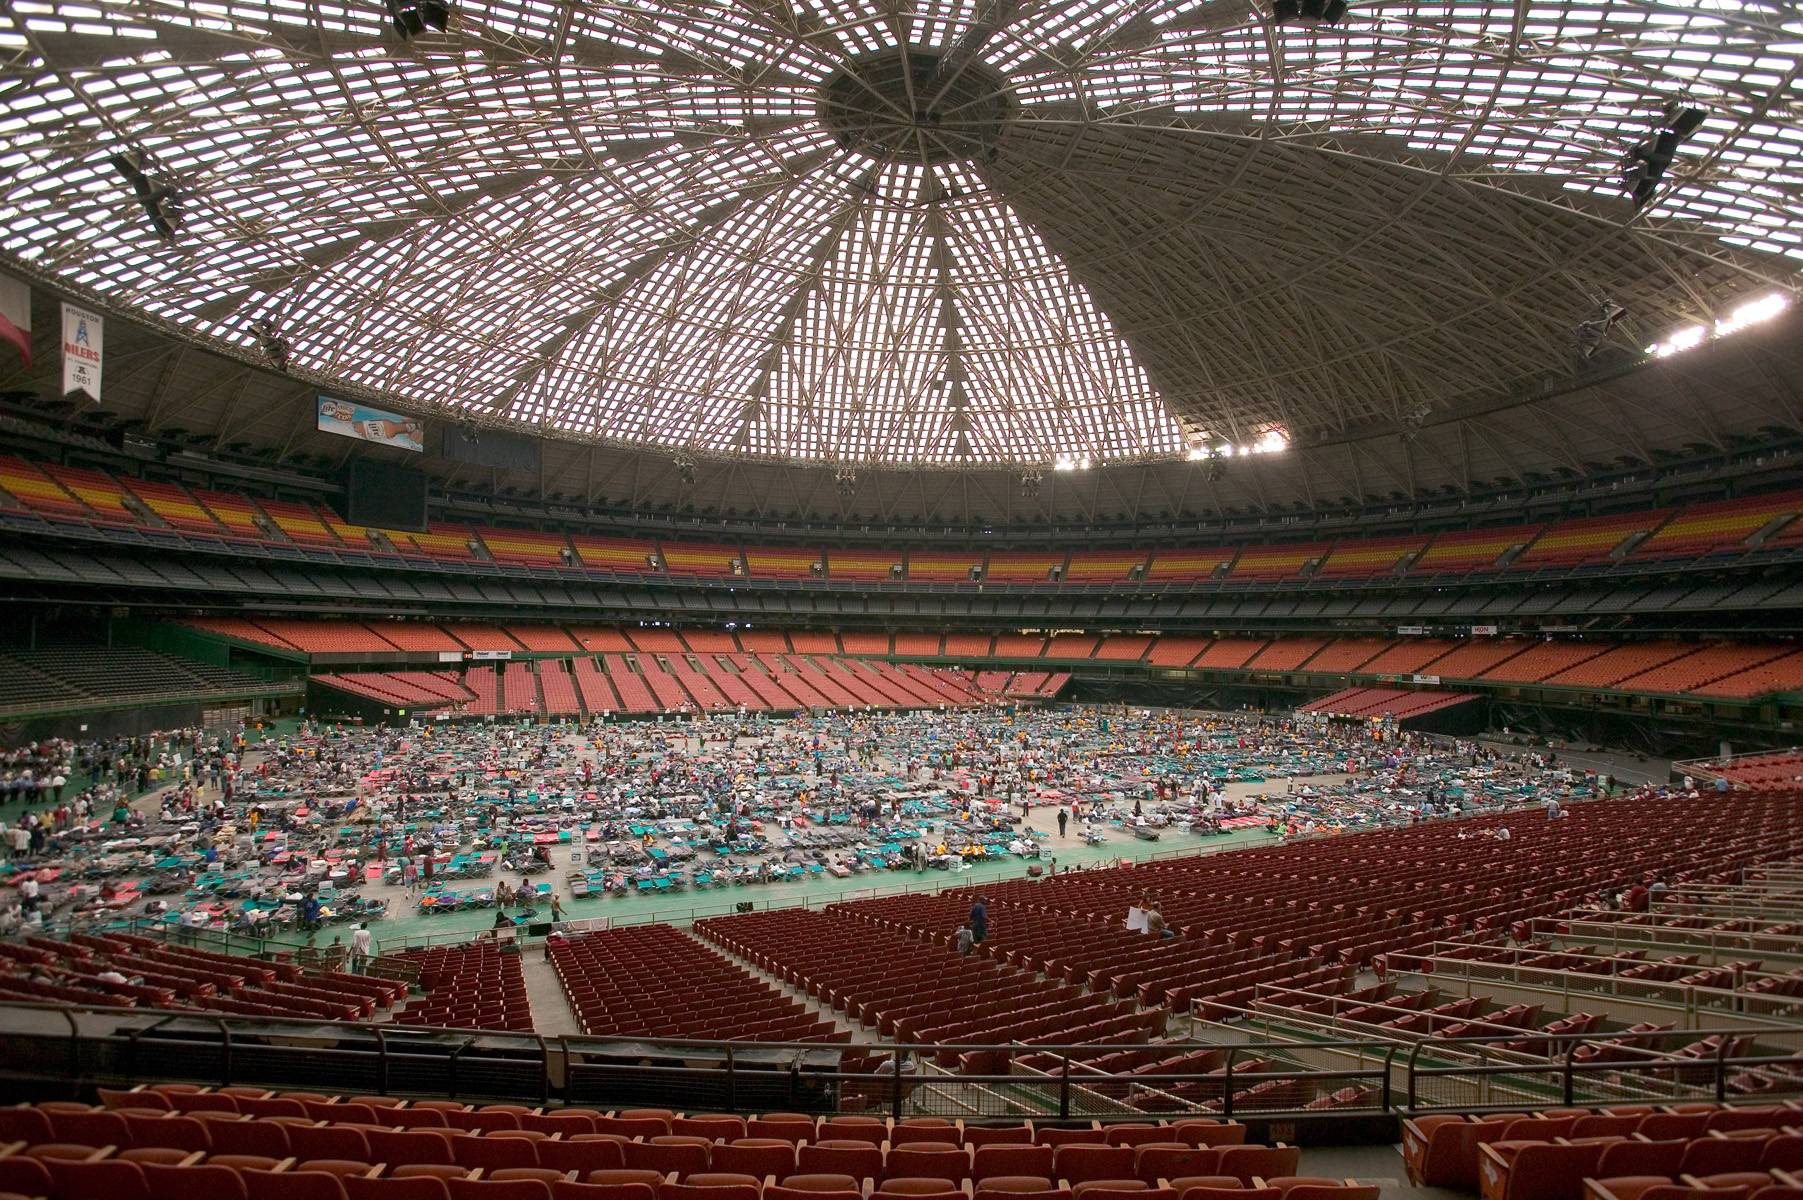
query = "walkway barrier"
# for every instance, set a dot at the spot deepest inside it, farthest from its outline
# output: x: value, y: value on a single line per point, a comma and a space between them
x: 1258, y: 1080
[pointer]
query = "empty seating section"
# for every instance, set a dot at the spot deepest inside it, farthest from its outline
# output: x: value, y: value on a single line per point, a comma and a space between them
x: 1105, y: 566
x: 1777, y: 675
x: 1623, y: 662
x: 1021, y: 567
x: 597, y: 693
x: 1071, y: 645
x: 784, y: 562
x: 1589, y: 539
x: 1704, y: 667
x: 1007, y: 645
x: 655, y: 981
x: 678, y: 670
x: 101, y: 493
x: 1738, y: 526
x: 669, y: 694
x: 930, y: 567
x: 1469, y: 660
x: 520, y: 689
x: 238, y: 514
x: 482, y: 637
x: 327, y: 637
x: 900, y: 986
x: 1723, y: 526
x: 1179, y: 566
x: 1379, y: 702
x: 473, y: 986
x: 526, y: 547
x: 35, y: 490
x: 404, y: 689
x: 1409, y: 655
x: 175, y: 507
x: 635, y: 696
x: 1286, y: 654
x: 615, y: 554
x: 1229, y: 653
x: 418, y: 636
x: 548, y: 639
x: 183, y: 977
x: 962, y: 645
x: 1171, y: 651
x: 70, y: 673
x: 1781, y: 768
x: 439, y: 541
x: 1298, y: 918
x: 1538, y: 662
x: 1125, y: 649
x: 484, y: 684
x: 868, y: 565
x: 1471, y: 549
x: 919, y: 645
x: 697, y: 558
x: 1279, y: 561
x: 1370, y: 556
x: 600, y: 640
x: 300, y: 523
x: 1344, y: 655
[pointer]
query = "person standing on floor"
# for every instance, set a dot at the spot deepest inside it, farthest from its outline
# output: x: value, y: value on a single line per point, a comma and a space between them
x: 979, y: 921
x: 360, y: 942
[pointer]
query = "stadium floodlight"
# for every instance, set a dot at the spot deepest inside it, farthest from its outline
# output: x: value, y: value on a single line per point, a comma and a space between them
x: 685, y: 466
x: 1751, y: 313
x: 271, y: 342
x: 845, y: 479
x: 411, y: 18
x: 1030, y: 479
x: 1309, y: 12
x: 1645, y: 163
x: 1591, y: 331
x: 156, y: 196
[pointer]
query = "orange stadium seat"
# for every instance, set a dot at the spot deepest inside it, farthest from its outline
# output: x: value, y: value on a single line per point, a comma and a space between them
x: 1021, y: 567
x: 1182, y: 566
x: 1369, y: 556
x: 1280, y: 561
x: 1590, y: 539
x: 933, y: 567
x: 36, y: 490
x: 526, y: 547
x: 1722, y: 526
x: 863, y: 564
x: 177, y: 509
x: 615, y: 554
x: 699, y: 558
x: 1472, y: 550
x: 1105, y: 566
x: 782, y: 562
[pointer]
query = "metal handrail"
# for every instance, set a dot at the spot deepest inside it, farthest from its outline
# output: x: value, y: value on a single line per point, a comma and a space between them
x: 1653, y: 1073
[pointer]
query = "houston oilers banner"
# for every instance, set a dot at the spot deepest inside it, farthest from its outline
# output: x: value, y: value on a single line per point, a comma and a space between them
x: 82, y: 333
x: 371, y: 425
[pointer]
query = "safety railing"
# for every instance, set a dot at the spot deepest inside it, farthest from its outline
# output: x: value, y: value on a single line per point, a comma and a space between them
x: 82, y: 1046
x: 1690, y: 1002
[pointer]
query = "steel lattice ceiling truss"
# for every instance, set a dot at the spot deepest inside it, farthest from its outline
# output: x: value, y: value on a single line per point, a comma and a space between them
x: 918, y: 231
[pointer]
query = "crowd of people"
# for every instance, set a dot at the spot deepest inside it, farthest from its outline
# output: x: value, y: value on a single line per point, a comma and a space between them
x: 324, y: 824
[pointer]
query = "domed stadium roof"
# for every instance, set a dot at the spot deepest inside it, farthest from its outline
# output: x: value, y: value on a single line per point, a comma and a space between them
x: 911, y: 231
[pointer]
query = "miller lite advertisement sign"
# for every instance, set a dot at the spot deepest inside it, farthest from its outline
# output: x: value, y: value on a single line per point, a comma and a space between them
x: 82, y: 333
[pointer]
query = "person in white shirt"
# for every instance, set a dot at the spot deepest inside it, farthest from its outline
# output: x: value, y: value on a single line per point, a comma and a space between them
x: 360, y: 948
